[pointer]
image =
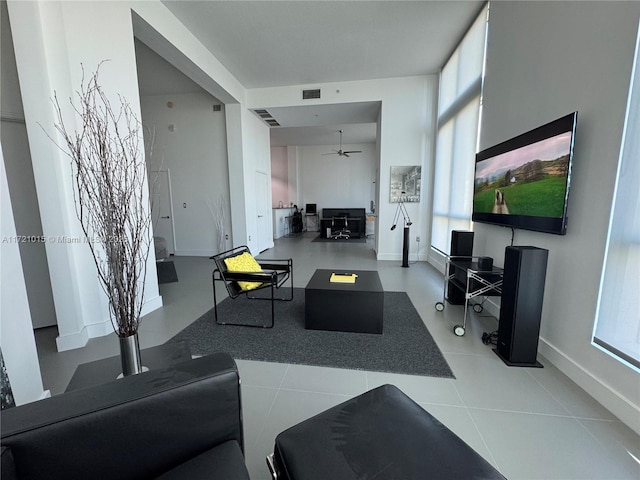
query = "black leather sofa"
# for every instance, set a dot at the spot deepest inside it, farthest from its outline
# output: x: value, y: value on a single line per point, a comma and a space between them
x: 180, y: 422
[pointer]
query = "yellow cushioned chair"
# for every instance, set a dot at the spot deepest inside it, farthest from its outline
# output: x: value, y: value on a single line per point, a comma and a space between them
x: 242, y: 273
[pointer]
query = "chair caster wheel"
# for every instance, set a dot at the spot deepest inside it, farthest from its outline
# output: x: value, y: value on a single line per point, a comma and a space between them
x: 458, y: 330
x: 477, y: 308
x: 440, y: 307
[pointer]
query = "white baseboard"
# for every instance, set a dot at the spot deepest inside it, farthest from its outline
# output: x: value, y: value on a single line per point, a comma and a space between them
x: 151, y: 304
x: 194, y: 253
x: 617, y: 404
x: 79, y: 339
x: 72, y: 341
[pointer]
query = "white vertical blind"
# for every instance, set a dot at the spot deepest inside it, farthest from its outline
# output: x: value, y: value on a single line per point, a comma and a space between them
x: 617, y: 327
x: 458, y: 121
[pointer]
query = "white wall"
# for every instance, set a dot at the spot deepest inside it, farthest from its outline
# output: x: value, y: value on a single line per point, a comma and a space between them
x: 195, y: 153
x: 247, y: 149
x: 406, y: 138
x: 332, y: 181
x: 16, y: 333
x: 546, y: 59
x: 279, y: 176
x: 256, y: 146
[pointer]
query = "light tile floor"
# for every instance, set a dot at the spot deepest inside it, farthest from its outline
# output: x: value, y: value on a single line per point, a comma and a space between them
x: 529, y: 423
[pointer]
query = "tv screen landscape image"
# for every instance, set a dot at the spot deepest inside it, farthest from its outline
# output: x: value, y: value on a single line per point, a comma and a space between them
x: 524, y: 182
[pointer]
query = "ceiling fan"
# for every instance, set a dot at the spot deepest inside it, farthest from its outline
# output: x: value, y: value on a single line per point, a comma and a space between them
x: 341, y: 152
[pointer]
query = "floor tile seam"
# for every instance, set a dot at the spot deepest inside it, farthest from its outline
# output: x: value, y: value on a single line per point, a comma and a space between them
x: 522, y: 412
x: 603, y: 420
x: 471, y: 354
x: 273, y: 402
x: 550, y: 394
x: 484, y: 441
x: 315, y: 392
x: 593, y: 435
x: 455, y: 387
x: 437, y: 404
x: 284, y: 375
x: 261, y: 387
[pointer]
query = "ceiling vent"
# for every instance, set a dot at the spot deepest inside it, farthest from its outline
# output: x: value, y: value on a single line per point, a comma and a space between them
x: 263, y: 113
x: 217, y: 108
x: 267, y: 117
x: 310, y: 94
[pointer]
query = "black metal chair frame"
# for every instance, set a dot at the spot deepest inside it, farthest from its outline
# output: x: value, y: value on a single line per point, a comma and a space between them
x: 275, y: 273
x: 341, y: 232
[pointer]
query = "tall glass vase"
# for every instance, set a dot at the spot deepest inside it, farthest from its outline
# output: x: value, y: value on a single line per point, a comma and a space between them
x: 130, y: 355
x: 221, y: 240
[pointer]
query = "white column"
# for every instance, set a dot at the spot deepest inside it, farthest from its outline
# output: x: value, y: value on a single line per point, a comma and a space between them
x: 52, y: 41
x: 16, y: 333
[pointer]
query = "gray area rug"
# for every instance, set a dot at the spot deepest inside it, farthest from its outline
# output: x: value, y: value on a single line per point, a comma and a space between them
x: 406, y: 346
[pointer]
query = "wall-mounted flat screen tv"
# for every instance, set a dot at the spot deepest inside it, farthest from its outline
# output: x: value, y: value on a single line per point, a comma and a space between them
x: 524, y: 182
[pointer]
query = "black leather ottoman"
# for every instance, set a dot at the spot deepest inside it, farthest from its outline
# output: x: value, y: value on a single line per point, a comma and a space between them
x: 382, y: 435
x: 344, y: 307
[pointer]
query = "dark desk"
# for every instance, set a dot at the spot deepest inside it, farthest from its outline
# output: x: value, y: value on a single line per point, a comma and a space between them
x: 356, y: 220
x: 353, y: 224
x: 106, y: 370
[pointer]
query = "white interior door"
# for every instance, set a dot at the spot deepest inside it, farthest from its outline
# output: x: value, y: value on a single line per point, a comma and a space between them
x: 262, y: 204
x: 162, y: 209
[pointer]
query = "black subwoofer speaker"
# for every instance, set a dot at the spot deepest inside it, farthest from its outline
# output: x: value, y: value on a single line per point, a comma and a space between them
x: 485, y: 263
x: 461, y: 246
x: 525, y: 269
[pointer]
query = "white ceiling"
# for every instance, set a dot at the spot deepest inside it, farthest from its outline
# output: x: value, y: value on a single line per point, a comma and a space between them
x: 276, y: 43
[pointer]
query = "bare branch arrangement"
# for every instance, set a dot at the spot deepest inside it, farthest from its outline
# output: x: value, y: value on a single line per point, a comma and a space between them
x: 108, y: 163
x: 217, y: 208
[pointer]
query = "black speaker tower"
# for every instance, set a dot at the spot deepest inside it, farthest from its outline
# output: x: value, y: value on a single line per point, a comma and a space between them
x: 525, y: 269
x: 461, y: 246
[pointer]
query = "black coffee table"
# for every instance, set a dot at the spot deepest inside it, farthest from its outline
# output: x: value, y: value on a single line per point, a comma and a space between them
x: 344, y: 307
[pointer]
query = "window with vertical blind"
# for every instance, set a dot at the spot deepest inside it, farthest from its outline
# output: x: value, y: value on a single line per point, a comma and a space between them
x: 459, y: 104
x: 617, y: 328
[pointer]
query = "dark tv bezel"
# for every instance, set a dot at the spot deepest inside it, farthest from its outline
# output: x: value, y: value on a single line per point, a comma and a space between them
x: 555, y: 225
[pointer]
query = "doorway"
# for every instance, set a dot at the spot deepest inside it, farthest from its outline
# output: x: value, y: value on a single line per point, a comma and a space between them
x: 263, y: 219
x: 162, y: 208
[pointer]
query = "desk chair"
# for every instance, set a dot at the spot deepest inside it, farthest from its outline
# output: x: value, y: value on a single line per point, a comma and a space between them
x: 340, y: 228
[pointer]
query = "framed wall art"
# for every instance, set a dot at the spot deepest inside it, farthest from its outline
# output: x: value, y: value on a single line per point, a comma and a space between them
x: 405, y: 184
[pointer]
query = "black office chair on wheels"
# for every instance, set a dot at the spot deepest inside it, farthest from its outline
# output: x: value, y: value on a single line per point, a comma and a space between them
x: 241, y: 274
x: 340, y: 228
